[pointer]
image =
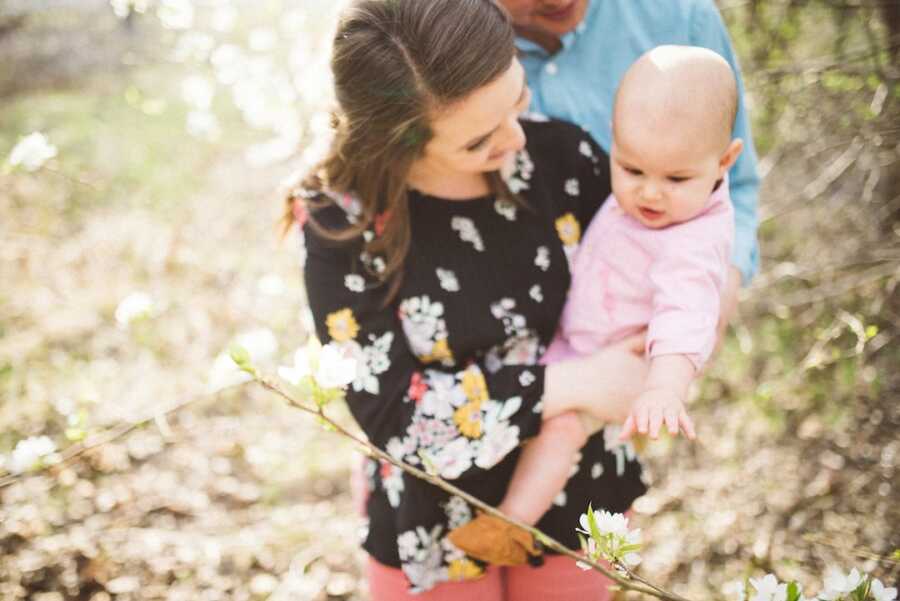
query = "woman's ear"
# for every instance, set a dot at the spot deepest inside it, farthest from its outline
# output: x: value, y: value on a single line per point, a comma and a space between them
x: 730, y: 155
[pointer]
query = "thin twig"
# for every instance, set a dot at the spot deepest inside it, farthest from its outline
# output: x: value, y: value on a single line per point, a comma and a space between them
x: 72, y: 178
x: 645, y: 587
x: 821, y: 540
x: 78, y: 449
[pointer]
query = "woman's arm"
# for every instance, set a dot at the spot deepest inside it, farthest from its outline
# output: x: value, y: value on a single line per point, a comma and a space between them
x: 602, y: 385
x: 412, y: 397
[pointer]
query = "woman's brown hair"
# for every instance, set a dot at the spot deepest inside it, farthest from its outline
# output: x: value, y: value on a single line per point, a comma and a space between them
x: 397, y: 63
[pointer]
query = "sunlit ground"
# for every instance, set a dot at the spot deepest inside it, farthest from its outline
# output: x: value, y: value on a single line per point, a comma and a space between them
x: 133, y: 258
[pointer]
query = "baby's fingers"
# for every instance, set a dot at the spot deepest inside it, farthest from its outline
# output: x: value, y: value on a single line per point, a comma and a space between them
x: 672, y: 421
x: 628, y: 428
x: 687, y: 425
x: 656, y: 421
x: 643, y: 419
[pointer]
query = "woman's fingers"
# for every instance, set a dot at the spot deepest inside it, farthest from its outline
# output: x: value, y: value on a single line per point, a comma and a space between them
x: 635, y: 344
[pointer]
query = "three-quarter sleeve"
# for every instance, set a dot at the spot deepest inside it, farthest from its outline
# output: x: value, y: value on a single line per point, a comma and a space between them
x: 412, y: 396
x: 687, y: 279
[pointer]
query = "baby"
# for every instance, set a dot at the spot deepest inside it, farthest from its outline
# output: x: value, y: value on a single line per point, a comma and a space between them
x: 655, y: 256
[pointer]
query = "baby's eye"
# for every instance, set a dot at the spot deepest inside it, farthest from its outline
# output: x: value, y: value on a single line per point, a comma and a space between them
x: 477, y: 145
x: 678, y: 179
x: 633, y: 171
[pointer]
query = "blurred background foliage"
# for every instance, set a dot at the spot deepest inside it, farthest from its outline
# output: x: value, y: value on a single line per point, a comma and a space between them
x: 175, y: 123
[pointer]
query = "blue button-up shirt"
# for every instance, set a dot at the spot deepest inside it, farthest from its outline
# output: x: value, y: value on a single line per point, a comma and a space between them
x: 578, y: 83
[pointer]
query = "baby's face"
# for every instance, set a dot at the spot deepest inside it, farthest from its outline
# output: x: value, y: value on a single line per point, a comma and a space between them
x: 664, y: 177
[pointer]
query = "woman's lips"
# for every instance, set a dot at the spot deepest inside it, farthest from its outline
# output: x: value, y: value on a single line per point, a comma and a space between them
x: 560, y: 14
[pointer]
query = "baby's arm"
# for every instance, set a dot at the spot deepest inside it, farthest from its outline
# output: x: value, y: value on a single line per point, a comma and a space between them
x: 663, y: 399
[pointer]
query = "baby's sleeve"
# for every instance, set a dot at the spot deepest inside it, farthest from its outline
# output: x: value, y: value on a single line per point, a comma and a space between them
x: 687, y: 277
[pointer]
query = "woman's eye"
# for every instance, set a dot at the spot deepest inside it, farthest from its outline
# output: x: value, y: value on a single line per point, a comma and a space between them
x: 633, y: 171
x: 678, y: 179
x: 477, y: 145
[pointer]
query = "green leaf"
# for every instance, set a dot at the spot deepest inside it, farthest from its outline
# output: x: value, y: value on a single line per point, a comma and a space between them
x: 242, y: 359
x: 583, y: 541
x: 871, y: 332
x: 793, y: 591
x: 896, y: 554
x: 75, y: 434
x: 592, y: 523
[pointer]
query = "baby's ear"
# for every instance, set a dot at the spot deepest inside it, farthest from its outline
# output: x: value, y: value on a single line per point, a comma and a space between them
x: 730, y: 155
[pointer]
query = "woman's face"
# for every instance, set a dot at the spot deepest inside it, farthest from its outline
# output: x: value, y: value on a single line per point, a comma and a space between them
x: 480, y: 133
x: 546, y: 17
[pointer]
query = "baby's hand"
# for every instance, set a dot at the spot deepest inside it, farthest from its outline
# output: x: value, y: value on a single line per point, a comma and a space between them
x: 651, y: 409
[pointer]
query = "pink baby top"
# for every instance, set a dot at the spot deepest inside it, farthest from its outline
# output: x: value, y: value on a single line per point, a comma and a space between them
x: 626, y: 276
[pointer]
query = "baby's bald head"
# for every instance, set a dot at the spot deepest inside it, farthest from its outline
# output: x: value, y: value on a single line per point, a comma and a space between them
x: 687, y: 89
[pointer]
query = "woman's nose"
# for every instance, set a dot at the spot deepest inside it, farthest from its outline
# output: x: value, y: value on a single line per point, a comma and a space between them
x: 513, y: 136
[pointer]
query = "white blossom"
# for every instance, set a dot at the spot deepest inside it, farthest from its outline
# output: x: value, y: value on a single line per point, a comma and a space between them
x: 735, y: 590
x: 193, y: 46
x: 32, y: 152
x: 197, y: 91
x: 768, y: 589
x: 204, y: 125
x: 328, y: 366
x: 175, y: 14
x: 122, y: 8
x: 134, y: 306
x: 259, y: 343
x: 616, y: 542
x: 271, y: 284
x: 881, y: 593
x: 224, y: 18
x: 30, y: 452
x: 262, y: 39
x: 838, y: 584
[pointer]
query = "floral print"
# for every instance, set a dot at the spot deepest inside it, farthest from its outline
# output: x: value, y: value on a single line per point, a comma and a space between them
x: 425, y: 329
x: 468, y: 232
x: 505, y: 208
x: 447, y: 279
x: 492, y: 275
x: 456, y: 424
x: 569, y: 230
x: 518, y: 175
x: 342, y: 325
x: 371, y: 361
x: 468, y: 419
x: 542, y: 259
x: 354, y: 282
x: 392, y: 482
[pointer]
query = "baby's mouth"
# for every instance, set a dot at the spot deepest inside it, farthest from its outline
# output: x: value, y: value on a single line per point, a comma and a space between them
x: 650, y: 214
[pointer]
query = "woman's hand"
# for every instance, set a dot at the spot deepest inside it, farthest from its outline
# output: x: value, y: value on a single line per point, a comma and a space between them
x: 603, y: 385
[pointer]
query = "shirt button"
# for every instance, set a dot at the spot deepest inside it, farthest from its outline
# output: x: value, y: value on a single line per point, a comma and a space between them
x: 551, y: 68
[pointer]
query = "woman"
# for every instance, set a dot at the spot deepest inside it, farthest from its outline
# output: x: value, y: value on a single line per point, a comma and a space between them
x: 447, y: 280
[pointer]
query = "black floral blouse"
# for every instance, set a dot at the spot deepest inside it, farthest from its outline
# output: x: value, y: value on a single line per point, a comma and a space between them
x: 450, y: 378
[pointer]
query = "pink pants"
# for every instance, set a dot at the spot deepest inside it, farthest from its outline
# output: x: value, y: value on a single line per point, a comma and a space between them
x: 559, y: 579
